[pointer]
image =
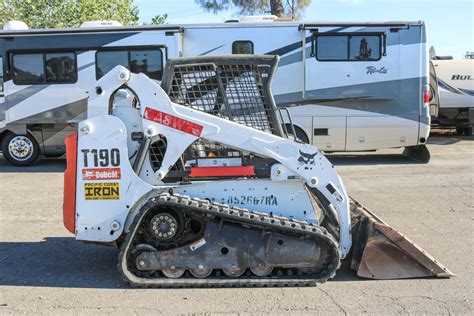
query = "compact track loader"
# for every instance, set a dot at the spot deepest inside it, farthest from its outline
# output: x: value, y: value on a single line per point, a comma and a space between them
x: 199, y: 183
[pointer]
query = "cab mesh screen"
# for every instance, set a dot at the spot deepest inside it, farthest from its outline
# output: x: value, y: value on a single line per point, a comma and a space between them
x: 231, y: 91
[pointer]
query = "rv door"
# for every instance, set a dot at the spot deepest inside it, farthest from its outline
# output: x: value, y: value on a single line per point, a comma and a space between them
x: 354, y: 77
x: 322, y: 78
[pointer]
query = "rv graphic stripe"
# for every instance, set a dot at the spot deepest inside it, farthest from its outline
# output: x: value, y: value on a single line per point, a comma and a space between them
x: 173, y: 122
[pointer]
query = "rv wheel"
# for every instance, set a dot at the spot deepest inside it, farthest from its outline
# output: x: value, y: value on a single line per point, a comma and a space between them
x: 20, y: 150
x: 300, y: 134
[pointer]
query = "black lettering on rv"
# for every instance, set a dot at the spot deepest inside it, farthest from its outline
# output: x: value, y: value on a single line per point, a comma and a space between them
x: 461, y: 77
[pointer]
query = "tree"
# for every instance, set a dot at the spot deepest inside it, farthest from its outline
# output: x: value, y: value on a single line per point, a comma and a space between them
x: 248, y: 7
x: 67, y: 13
x: 158, y: 19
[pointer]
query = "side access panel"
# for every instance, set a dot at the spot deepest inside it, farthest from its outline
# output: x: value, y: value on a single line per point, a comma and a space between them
x: 367, y: 133
x: 329, y: 133
x: 54, y: 136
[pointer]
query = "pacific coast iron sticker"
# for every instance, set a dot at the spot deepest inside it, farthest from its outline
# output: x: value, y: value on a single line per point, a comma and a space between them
x: 102, y: 191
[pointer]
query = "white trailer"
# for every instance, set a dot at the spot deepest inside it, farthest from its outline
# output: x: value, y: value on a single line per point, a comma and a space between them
x: 455, y: 80
x: 348, y: 86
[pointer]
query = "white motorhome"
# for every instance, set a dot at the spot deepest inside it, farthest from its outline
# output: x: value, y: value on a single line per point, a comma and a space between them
x: 348, y: 86
x: 455, y: 80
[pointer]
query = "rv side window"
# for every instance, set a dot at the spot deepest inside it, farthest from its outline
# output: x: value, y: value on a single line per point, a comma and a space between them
x: 1, y: 76
x: 364, y: 47
x: 105, y: 61
x: 44, y: 68
x: 147, y: 61
x: 348, y: 47
x: 28, y: 69
x: 242, y: 47
x: 60, y: 67
x: 332, y: 47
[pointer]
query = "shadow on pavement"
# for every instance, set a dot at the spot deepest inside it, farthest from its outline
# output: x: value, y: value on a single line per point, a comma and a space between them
x: 58, y: 262
x: 446, y: 139
x: 43, y: 165
x: 345, y: 273
x: 66, y: 262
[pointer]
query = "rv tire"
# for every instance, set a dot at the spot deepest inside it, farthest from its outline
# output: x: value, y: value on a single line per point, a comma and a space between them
x: 300, y: 133
x: 464, y: 131
x: 20, y: 150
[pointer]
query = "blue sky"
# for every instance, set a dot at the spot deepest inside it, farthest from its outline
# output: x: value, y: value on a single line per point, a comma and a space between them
x: 450, y: 23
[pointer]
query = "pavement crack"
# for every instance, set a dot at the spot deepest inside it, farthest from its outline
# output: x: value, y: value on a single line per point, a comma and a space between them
x: 332, y: 300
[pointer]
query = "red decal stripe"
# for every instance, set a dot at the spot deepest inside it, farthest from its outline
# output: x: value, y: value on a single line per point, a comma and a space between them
x: 197, y: 172
x: 101, y: 174
x: 173, y: 122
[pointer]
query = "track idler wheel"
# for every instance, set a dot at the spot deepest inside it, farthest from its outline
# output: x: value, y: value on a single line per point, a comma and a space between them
x: 139, y: 249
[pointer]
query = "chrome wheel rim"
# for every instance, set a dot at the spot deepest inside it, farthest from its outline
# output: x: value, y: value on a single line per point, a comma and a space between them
x: 20, y: 148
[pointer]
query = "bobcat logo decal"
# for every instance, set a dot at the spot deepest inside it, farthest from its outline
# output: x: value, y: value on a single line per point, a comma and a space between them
x: 306, y: 159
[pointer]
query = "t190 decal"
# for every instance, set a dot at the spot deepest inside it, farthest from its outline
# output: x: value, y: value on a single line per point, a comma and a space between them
x: 101, y: 157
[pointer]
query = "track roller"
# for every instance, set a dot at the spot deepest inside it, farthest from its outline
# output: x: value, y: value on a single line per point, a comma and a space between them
x: 201, y: 272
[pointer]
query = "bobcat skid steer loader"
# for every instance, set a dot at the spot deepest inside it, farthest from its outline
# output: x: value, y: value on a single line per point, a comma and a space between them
x: 199, y: 183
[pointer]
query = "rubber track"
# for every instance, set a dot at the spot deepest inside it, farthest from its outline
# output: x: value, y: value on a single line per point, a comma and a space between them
x: 275, y: 223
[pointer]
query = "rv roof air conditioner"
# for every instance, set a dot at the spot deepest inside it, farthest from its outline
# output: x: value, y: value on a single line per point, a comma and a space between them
x: 258, y: 18
x: 100, y: 24
x: 15, y: 25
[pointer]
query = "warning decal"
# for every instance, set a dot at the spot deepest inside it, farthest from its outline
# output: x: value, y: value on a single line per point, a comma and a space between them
x: 173, y: 122
x: 101, y: 174
x: 102, y: 191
